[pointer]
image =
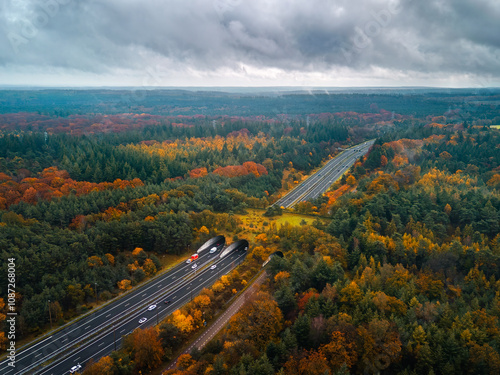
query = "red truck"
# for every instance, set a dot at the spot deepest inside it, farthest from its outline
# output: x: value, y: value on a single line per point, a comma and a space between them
x: 193, y: 257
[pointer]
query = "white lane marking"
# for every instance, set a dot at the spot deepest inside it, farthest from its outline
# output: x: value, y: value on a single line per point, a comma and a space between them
x: 173, y: 297
x: 97, y: 354
x: 107, y: 316
x: 38, y: 343
x: 117, y: 305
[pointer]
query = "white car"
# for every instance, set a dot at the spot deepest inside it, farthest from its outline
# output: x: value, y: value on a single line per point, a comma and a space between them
x: 194, y: 266
x: 142, y: 320
x: 152, y: 307
x: 75, y: 368
x: 213, y: 250
x: 189, y: 261
x: 214, y: 266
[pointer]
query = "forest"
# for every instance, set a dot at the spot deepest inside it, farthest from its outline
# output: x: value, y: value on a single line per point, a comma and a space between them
x: 400, y: 275
x: 403, y: 280
x: 89, y: 215
x: 419, y: 102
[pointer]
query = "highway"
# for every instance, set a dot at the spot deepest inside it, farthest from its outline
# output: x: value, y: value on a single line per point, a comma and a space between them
x: 318, y: 183
x: 113, y: 313
x: 222, y: 320
x: 103, y: 344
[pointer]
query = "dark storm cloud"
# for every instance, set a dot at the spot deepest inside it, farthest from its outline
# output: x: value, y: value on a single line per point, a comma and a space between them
x: 436, y: 36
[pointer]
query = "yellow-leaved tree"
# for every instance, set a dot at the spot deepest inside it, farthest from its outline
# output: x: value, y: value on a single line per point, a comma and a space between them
x: 259, y: 321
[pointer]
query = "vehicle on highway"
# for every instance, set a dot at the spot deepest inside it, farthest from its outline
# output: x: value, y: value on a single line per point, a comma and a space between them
x: 189, y: 261
x: 194, y: 256
x: 142, y: 320
x: 213, y: 250
x: 152, y: 307
x: 167, y: 301
x: 214, y: 266
x: 75, y: 368
x: 194, y: 266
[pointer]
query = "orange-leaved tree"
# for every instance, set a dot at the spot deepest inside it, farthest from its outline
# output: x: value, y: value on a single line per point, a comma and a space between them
x: 145, y: 347
x: 259, y: 321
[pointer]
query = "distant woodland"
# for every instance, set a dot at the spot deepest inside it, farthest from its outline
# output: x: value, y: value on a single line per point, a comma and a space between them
x: 400, y: 275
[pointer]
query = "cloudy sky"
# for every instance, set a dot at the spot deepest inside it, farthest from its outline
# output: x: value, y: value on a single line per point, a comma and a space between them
x: 448, y: 43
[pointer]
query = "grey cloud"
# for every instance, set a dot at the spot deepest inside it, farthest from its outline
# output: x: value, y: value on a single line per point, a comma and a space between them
x: 432, y: 37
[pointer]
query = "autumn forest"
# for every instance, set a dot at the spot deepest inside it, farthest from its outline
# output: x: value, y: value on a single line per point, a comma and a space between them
x: 396, y: 273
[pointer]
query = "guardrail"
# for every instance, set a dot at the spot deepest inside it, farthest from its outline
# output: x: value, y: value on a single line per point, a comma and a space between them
x: 314, y: 183
x: 103, y: 329
x: 38, y: 340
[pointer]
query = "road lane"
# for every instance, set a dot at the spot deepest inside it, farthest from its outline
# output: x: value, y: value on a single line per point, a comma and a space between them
x: 76, y: 331
x: 316, y: 184
x: 179, y: 297
x: 222, y: 320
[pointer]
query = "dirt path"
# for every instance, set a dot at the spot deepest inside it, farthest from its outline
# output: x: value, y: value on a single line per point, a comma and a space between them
x: 222, y: 320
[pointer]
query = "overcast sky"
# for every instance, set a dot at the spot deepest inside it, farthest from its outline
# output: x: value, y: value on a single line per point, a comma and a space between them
x: 449, y: 43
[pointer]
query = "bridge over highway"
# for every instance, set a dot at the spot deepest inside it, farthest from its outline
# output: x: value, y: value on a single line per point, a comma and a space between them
x: 98, y: 333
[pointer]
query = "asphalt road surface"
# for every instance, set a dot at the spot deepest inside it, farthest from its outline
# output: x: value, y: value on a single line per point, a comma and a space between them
x: 222, y: 320
x: 112, y: 314
x: 318, y: 183
x: 104, y: 344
